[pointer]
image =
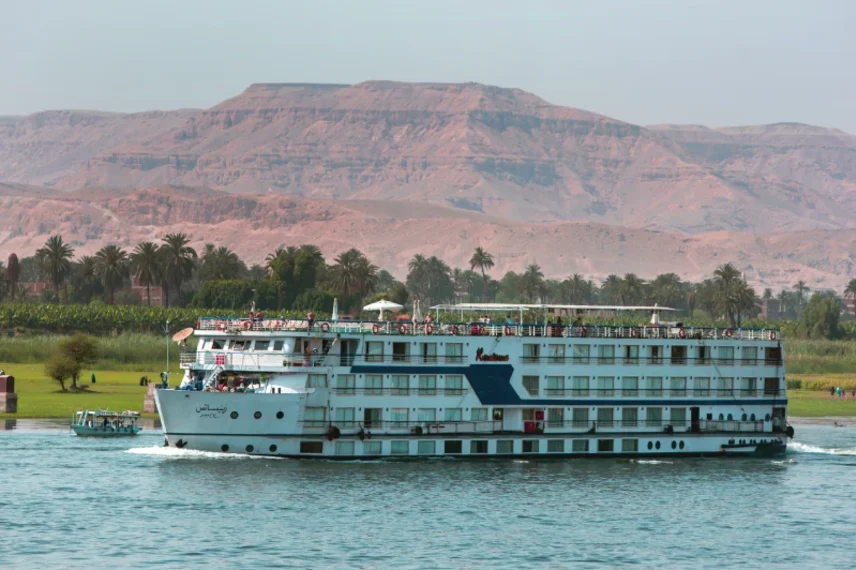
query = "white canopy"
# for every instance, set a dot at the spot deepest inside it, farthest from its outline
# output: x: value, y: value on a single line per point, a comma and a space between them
x: 335, y: 316
x: 383, y: 305
x: 487, y: 307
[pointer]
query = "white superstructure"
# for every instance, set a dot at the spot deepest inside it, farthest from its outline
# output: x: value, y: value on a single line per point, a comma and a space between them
x: 387, y: 389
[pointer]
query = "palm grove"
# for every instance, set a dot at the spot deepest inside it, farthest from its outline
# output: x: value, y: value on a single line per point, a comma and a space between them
x: 299, y: 278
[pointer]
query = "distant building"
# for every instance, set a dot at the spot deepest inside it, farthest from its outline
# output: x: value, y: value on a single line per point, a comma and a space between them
x: 770, y: 309
x: 140, y: 292
x: 33, y: 289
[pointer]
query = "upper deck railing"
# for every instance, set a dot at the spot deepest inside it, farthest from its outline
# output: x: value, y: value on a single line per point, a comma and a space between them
x: 231, y: 325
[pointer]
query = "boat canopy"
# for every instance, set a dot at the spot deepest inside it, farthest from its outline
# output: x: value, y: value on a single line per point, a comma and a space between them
x: 507, y: 307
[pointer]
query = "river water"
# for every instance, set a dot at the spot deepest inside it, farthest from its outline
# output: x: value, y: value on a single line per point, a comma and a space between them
x: 83, y: 503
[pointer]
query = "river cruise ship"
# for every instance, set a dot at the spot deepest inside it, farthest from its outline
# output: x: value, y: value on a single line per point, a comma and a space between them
x: 378, y: 389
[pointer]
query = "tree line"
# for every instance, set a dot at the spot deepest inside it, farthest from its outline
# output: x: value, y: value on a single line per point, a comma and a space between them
x: 300, y: 278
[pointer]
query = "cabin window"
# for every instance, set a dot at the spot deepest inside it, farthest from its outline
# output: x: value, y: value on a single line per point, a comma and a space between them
x: 343, y: 417
x: 311, y: 447
x: 748, y: 388
x: 372, y: 447
x: 679, y: 355
x: 631, y: 354
x: 398, y: 417
x: 346, y: 384
x: 605, y: 385
x: 498, y: 414
x: 426, y: 447
x: 606, y: 354
x: 630, y: 417
x: 581, y: 417
x: 374, y: 384
x: 399, y: 351
x: 504, y: 446
x: 581, y: 354
x: 372, y: 417
x: 374, y: 351
x: 478, y: 414
x: 580, y: 386
x: 453, y: 446
x: 429, y: 352
x: 530, y: 384
x: 725, y: 386
x: 261, y: 345
x: 555, y: 446
x: 678, y: 417
x: 773, y: 356
x: 580, y: 445
x: 218, y: 344
x: 605, y: 445
x: 630, y: 386
x: 531, y: 353
x: 726, y: 355
x: 556, y: 417
x: 239, y: 344
x: 316, y: 380
x: 478, y: 446
x: 702, y: 387
x: 399, y: 448
x: 629, y: 445
x: 556, y: 353
x: 400, y: 385
x: 703, y: 355
x: 654, y: 417
x: 555, y: 385
x: 454, y: 352
x: 452, y: 414
x: 427, y: 385
x: 655, y: 386
x: 344, y: 448
x: 656, y: 354
x: 604, y: 417
x: 528, y: 414
x: 771, y: 386
x: 531, y: 446
x: 678, y: 386
x: 454, y: 385
x: 749, y: 355
x: 315, y: 417
x: 426, y: 415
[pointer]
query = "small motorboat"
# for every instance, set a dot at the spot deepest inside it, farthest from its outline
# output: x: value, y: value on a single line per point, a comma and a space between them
x: 104, y: 423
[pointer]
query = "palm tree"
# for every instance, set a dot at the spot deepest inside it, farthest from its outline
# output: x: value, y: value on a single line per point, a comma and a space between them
x: 611, y: 289
x: 667, y: 290
x: 745, y: 300
x: 56, y: 257
x: 146, y: 266
x: 849, y: 292
x: 726, y: 277
x: 801, y: 288
x: 417, y: 276
x: 86, y: 278
x: 482, y: 260
x: 111, y: 265
x: 13, y: 273
x: 178, y: 260
x: 352, y: 274
x: 632, y: 289
x: 532, y: 282
x: 220, y: 263
x: 578, y: 290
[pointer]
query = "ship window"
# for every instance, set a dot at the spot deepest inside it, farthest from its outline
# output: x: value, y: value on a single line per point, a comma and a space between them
x: 604, y: 417
x: 374, y: 384
x: 630, y: 386
x: 657, y: 445
x: 581, y: 353
x: 725, y: 387
x: 497, y: 414
x: 678, y: 386
x: 454, y: 352
x: 530, y: 384
x: 478, y: 415
x: 631, y: 354
x: 314, y: 416
x: 656, y: 354
x: 427, y: 385
x: 749, y: 355
x: 531, y: 446
x: 504, y: 446
x: 678, y: 417
x: 655, y: 386
x: 426, y: 447
x: 218, y: 343
x: 429, y: 352
x: 650, y: 445
x: 628, y: 445
x: 605, y: 385
x: 702, y: 387
x: 452, y: 414
x: 400, y: 385
x: 681, y: 444
x: 346, y: 384
x: 747, y: 387
x: 316, y: 381
x: 278, y: 344
x: 555, y: 385
x: 344, y: 448
x: 703, y: 354
x: 398, y: 417
x: 773, y: 356
x: 454, y: 385
x: 240, y: 344
x: 261, y: 345
x: 679, y: 354
x: 629, y: 417
x: 556, y: 353
x: 674, y: 444
x: 654, y: 417
x: 372, y: 447
x: 399, y: 351
x: 311, y: 447
x: 771, y: 386
x: 580, y: 386
x: 478, y: 446
x: 606, y: 354
x: 556, y: 417
x: 605, y: 445
x: 344, y: 417
x: 730, y: 417
x: 453, y: 446
x: 399, y: 448
x: 374, y: 351
x: 726, y: 354
x: 426, y: 415
x: 580, y: 445
x: 531, y: 353
x: 581, y: 417
x: 555, y: 446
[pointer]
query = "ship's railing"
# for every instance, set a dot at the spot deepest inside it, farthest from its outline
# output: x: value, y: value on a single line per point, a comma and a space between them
x: 659, y: 393
x: 232, y: 325
x: 388, y: 391
x: 649, y: 361
x: 681, y: 426
x: 425, y: 427
x: 260, y: 359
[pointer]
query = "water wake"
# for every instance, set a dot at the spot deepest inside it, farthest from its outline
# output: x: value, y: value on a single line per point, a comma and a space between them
x: 176, y: 453
x: 806, y: 448
x: 650, y: 461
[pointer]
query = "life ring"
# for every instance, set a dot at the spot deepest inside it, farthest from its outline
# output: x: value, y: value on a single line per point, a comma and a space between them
x: 455, y: 330
x: 429, y: 329
x: 333, y: 433
x: 375, y: 329
x: 325, y: 327
x: 634, y: 333
x: 481, y: 330
x: 508, y: 331
x: 248, y: 325
x: 402, y: 329
x: 682, y: 333
x: 417, y: 430
x: 583, y: 332
x: 772, y: 335
x: 728, y: 333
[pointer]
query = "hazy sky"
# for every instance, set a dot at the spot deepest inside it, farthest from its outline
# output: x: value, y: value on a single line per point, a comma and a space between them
x: 724, y: 62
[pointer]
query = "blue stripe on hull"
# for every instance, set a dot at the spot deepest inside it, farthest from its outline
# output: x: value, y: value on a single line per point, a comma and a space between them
x: 492, y: 385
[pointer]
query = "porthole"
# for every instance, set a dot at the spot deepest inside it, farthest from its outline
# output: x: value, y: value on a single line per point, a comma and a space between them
x: 279, y: 415
x: 257, y: 415
x: 657, y: 445
x: 674, y: 444
x: 224, y: 447
x: 234, y: 415
x: 681, y: 444
x: 250, y: 448
x: 730, y: 418
x: 743, y: 417
x: 721, y: 417
x: 752, y: 417
x: 767, y: 418
x: 272, y: 449
x: 650, y: 445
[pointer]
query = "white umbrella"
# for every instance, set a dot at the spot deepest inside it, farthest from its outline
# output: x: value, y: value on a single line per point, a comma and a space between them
x: 417, y: 311
x: 382, y: 305
x: 335, y: 316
